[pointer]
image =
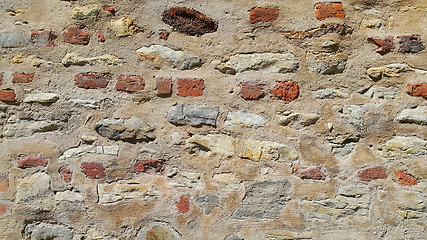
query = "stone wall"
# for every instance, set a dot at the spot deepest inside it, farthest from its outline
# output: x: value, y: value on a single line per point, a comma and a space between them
x: 243, y: 119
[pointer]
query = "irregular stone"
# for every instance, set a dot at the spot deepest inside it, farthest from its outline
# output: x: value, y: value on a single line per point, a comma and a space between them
x: 311, y: 172
x: 94, y: 170
x: 123, y: 27
x: 288, y: 235
x: 190, y: 87
x: 386, y: 93
x: 372, y: 23
x: 29, y: 59
x: 75, y: 59
x: 128, y: 129
x: 125, y: 189
x: 87, y: 11
x: 417, y: 89
x: 404, y: 147
x: 263, y: 14
x: 76, y: 35
x: 351, y: 114
x: 194, y: 115
x: 251, y: 90
x: 329, y: 93
x: 164, y: 57
x: 243, y: 118
x: 329, y: 10
x: 150, y: 167
x: 1, y: 78
x: 130, y: 83
x: 285, y: 90
x: 43, y: 38
x: 189, y: 21
x: 226, y: 178
x: 330, y: 46
x: 267, y: 151
x: 326, y: 64
x: 372, y: 173
x: 261, y: 62
x: 219, y: 145
x: 263, y: 200
x: 25, y: 128
x: 32, y: 161
x: 411, y: 44
x: 404, y: 179
x: 13, y: 39
x: 391, y: 70
x: 410, y: 201
x: 183, y: 204
x: 77, y: 152
x: 41, y: 97
x: 208, y: 203
x: 158, y: 230
x: 417, y: 115
x: 329, y: 28
x: 92, y: 80
x: 298, y: 120
x: 385, y: 44
x: 48, y: 231
x: 89, y: 103
x: 31, y: 187
x: 69, y: 196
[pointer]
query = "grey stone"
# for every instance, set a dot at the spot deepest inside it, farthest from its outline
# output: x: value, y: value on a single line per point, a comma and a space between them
x: 329, y: 93
x: 24, y: 128
x: 299, y: 120
x: 194, y: 115
x: 417, y: 115
x: 263, y: 200
x: 158, y: 230
x: 208, y: 202
x: 45, y: 231
x: 326, y: 64
x: 387, y: 93
x: 244, y: 118
x: 129, y: 129
x: 13, y: 39
x: 162, y: 57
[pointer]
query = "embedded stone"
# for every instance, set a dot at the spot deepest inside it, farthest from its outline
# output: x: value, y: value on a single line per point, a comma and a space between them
x: 251, y: 90
x: 330, y: 93
x: 404, y: 179
x: 125, y: 189
x: 386, y: 93
x: 219, y: 145
x: 329, y: 10
x: 13, y: 39
x: 329, y: 28
x: 31, y: 187
x: 243, y: 118
x: 194, y: 115
x: 326, y: 64
x: 29, y: 59
x: 7, y: 95
x: 43, y: 38
x: 189, y: 21
x: 32, y: 161
x: 48, y: 231
x: 69, y: 196
x: 164, y: 86
x: 92, y: 80
x: 417, y: 115
x: 311, y: 172
x: 76, y: 35
x: 372, y: 173
x: 23, y: 77
x: 87, y: 11
x: 372, y: 23
x: 190, y: 87
x: 123, y: 27
x: 24, y: 128
x: 183, y: 204
x: 128, y: 129
x: 267, y: 151
x: 130, y: 83
x: 41, y: 97
x: 164, y: 57
x: 94, y: 170
x: 158, y: 230
x: 74, y: 59
x: 208, y: 203
x: 298, y: 120
x: 404, y: 147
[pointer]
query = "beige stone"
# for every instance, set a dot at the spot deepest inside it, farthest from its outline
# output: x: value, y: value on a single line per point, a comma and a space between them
x: 123, y: 27
x: 75, y: 59
x: 32, y: 187
x: 218, y: 145
x: 405, y: 147
x: 267, y: 151
x: 125, y: 189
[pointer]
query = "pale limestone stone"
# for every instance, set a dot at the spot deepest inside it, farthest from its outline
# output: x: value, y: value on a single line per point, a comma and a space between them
x: 125, y: 189
x: 41, y: 97
x: 372, y: 23
x: 25, y: 128
x: 88, y: 138
x: 75, y: 59
x: 129, y: 129
x: 31, y: 187
x: 123, y: 27
x: 112, y: 150
x: 288, y: 235
x: 417, y: 115
x: 29, y: 59
x: 298, y: 120
x: 86, y: 11
x: 69, y: 196
x: 164, y: 57
x: 329, y: 93
x: 405, y: 147
x: 89, y: 103
x: 243, y: 118
x: 326, y: 64
x: 386, y: 93
x: 218, y: 145
x: 226, y: 178
x: 411, y: 201
x: 267, y: 151
x: 392, y: 70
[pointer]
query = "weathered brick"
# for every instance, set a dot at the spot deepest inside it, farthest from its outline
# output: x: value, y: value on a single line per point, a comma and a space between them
x: 190, y: 87
x: 385, y: 44
x: 403, y: 178
x: 92, y: 80
x: 76, y: 35
x: 189, y: 21
x: 66, y: 174
x: 109, y: 9
x: 101, y: 37
x: 43, y: 38
x: 251, y: 90
x: 4, y: 183
x: 417, y: 89
x: 150, y: 167
x: 372, y: 173
x: 411, y: 44
x: 163, y: 34
x: 183, y: 204
x: 130, y: 83
x: 263, y: 14
x: 1, y: 78
x: 164, y: 86
x: 7, y: 95
x: 329, y: 10
x: 5, y: 208
x: 329, y: 28
x: 94, y: 170
x: 285, y: 90
x: 32, y: 161
x: 312, y: 172
x: 23, y: 77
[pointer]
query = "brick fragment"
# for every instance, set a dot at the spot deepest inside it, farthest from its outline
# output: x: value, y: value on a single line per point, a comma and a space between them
x: 251, y: 90
x: 130, y: 83
x: 43, y: 38
x: 1, y: 78
x: 190, y: 87
x: 101, y: 37
x: 372, y: 173
x: 385, y: 44
x: 263, y: 14
x: 183, y: 204
x: 76, y: 35
x: 404, y: 179
x: 66, y: 174
x: 32, y: 161
x: 163, y: 34
x: 92, y: 80
x: 109, y: 9
x: 23, y: 77
x: 4, y: 183
x: 164, y: 86
x: 329, y: 10
x: 189, y: 21
x: 411, y: 44
x: 285, y: 90
x: 7, y: 95
x: 417, y: 89
x: 94, y: 170
x: 5, y: 208
x: 150, y: 167
x: 313, y: 172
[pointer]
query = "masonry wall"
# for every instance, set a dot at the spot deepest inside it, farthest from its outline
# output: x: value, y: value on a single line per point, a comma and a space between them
x: 213, y: 119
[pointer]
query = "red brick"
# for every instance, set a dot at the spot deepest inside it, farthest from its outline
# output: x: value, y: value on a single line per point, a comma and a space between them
x: 92, y: 80
x: 1, y: 78
x: 76, y: 35
x: 263, y: 14
x: 94, y: 170
x: 183, y: 204
x: 23, y: 77
x: 130, y: 83
x: 403, y: 178
x: 5, y: 208
x: 43, y: 38
x: 32, y: 161
x: 285, y: 90
x: 329, y: 10
x: 164, y: 86
x: 417, y: 89
x: 411, y: 44
x: 101, y: 37
x: 190, y: 87
x: 314, y: 173
x: 66, y: 174
x: 150, y: 167
x: 251, y: 90
x: 163, y: 34
x: 109, y: 9
x: 7, y: 95
x: 4, y: 183
x: 385, y: 44
x: 372, y: 173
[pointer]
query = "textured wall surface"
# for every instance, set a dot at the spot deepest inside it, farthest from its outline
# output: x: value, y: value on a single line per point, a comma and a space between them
x: 243, y: 119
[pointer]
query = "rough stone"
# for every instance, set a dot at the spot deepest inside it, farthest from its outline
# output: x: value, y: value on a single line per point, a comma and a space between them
x: 69, y: 196
x: 385, y: 44
x: 75, y: 59
x: 30, y: 60
x: 25, y: 128
x: 76, y: 35
x: 109, y: 9
x: 48, y: 231
x: 90, y: 11
x: 226, y: 178
x: 13, y: 39
x: 190, y: 87
x: 372, y: 23
x: 194, y: 115
x: 189, y: 21
x: 329, y: 28
x: 263, y: 14
x: 298, y: 120
x: 330, y: 93
x: 386, y: 93
x: 43, y: 38
x: 411, y: 44
x: 123, y: 27
x: 263, y: 200
x: 285, y: 90
x: 92, y: 80
x: 208, y: 203
x: 32, y: 187
x: 251, y: 90
x: 158, y: 230
x: 326, y: 64
x: 391, y: 70
x: 130, y: 83
x: 403, y: 178
x: 219, y: 145
x: 128, y: 129
x: 417, y: 115
x: 41, y: 97
x: 267, y: 151
x: 326, y: 10
x: 164, y: 57
x: 404, y: 147
x: 417, y: 89
x: 243, y: 118
x: 125, y: 189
